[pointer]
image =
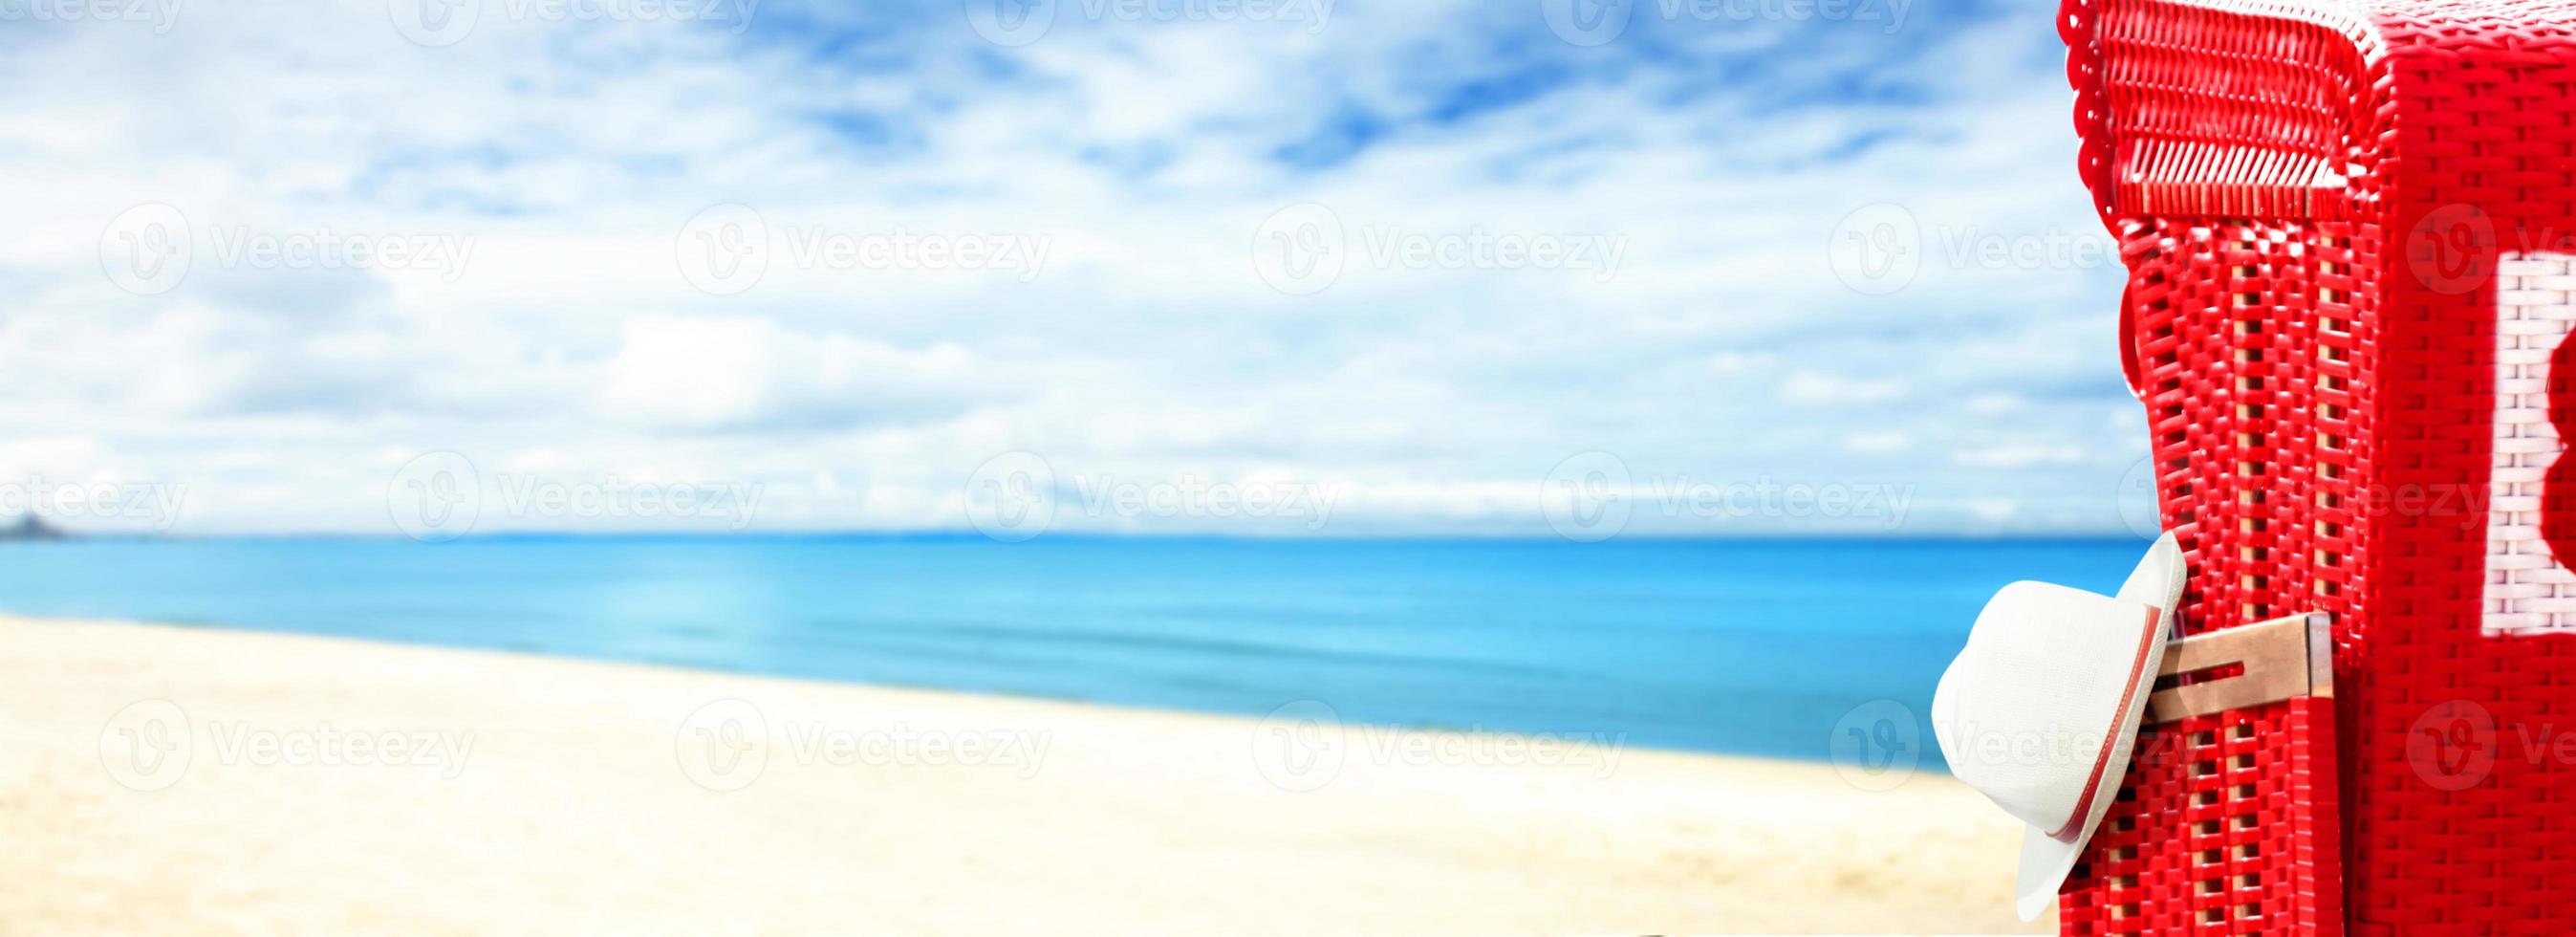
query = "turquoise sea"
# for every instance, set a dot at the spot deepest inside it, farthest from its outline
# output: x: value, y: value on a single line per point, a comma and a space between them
x: 1751, y: 646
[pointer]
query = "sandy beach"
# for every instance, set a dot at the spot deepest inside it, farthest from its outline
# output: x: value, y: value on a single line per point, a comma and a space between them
x: 178, y: 780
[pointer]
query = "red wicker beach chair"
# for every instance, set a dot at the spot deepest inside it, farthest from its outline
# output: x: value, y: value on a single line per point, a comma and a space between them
x: 2350, y: 232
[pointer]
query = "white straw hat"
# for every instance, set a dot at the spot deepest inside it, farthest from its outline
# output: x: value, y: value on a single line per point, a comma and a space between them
x: 2041, y: 709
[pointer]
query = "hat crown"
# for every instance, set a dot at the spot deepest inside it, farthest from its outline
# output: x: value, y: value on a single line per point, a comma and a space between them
x: 2041, y: 710
x: 2025, y: 713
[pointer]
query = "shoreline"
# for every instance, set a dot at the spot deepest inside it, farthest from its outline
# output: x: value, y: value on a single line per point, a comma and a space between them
x: 431, y: 789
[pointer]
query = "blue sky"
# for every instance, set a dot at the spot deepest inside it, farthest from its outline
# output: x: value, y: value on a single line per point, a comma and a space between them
x: 1427, y: 262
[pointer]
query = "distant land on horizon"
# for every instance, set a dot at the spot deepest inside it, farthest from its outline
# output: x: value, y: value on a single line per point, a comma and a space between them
x: 31, y: 527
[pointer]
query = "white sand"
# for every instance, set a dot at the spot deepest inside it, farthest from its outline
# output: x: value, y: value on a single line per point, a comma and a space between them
x: 576, y: 807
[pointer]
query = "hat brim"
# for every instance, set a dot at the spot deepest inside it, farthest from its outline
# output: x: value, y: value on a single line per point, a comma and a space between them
x: 2046, y: 861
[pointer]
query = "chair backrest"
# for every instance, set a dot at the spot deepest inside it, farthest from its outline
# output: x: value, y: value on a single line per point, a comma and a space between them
x: 2351, y: 238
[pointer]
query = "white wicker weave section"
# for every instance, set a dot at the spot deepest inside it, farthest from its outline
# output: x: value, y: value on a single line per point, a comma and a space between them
x: 2527, y: 591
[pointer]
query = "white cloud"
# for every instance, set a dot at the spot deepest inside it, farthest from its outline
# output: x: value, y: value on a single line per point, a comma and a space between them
x: 1149, y: 345
x: 737, y: 373
x: 2020, y: 455
x: 1810, y: 387
x: 1879, y: 442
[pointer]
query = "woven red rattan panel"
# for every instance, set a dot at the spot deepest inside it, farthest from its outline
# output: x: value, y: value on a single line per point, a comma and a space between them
x: 2344, y: 226
x: 2225, y: 797
x: 2249, y: 369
